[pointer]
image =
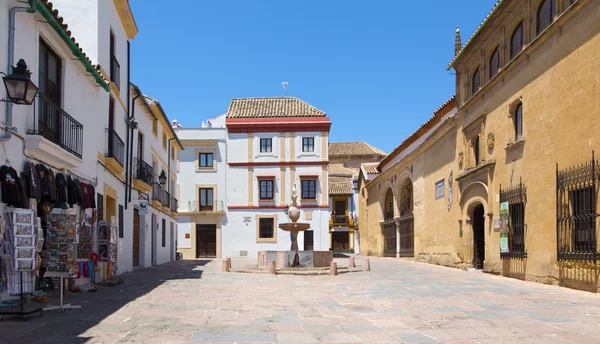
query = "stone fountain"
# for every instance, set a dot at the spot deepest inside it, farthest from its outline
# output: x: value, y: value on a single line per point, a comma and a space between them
x: 294, y: 257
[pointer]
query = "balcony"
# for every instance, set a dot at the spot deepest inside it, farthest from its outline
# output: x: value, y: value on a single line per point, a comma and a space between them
x: 116, y: 152
x: 115, y: 72
x: 156, y: 195
x: 54, y: 134
x: 341, y: 220
x: 143, y: 175
x: 206, y: 207
x: 174, y: 205
x: 166, y: 201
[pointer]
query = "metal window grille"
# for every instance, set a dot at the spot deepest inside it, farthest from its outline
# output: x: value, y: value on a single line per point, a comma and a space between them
x: 576, y: 213
x: 266, y: 228
x: 266, y: 145
x: 494, y: 62
x: 266, y: 189
x: 516, y: 41
x: 516, y: 196
x: 545, y: 15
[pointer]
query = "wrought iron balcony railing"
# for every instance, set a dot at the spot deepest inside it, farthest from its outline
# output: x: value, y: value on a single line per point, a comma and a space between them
x: 201, y: 206
x: 57, y: 126
x: 338, y: 219
x: 166, y: 199
x: 143, y: 171
x: 174, y: 204
x: 116, y: 147
x: 157, y: 192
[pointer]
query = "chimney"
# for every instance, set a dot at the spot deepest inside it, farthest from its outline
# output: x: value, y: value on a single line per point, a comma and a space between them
x: 457, y: 42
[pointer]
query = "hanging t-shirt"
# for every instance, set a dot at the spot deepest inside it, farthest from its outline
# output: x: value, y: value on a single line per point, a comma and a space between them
x: 43, y: 172
x: 23, y: 198
x: 79, y: 192
x: 52, y: 185
x: 10, y: 188
x: 61, y: 188
x: 92, y: 194
x: 86, y: 195
x: 33, y: 179
x: 72, y: 190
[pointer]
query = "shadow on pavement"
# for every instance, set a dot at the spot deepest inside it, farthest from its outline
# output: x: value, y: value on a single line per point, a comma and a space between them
x: 96, y: 306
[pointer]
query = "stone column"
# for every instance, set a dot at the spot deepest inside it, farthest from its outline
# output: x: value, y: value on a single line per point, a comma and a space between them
x: 272, y: 267
x: 397, y: 222
x: 333, y: 269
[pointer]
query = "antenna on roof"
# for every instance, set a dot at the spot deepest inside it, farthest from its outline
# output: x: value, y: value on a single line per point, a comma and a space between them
x: 285, y: 85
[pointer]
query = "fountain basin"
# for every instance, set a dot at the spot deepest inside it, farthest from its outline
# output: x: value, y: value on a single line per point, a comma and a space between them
x: 294, y: 226
x: 285, y: 259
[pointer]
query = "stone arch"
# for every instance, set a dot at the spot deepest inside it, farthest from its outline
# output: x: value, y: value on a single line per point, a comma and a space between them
x: 472, y: 194
x: 475, y: 207
x: 388, y: 205
x: 383, y: 190
x: 405, y: 202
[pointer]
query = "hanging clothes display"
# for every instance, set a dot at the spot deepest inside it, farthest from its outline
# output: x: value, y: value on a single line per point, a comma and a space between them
x: 45, y: 185
x: 61, y: 188
x: 33, y: 179
x: 10, y: 186
x: 52, y: 185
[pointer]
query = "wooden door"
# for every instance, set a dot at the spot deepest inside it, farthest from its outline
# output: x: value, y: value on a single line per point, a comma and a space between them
x: 136, y: 237
x: 407, y: 238
x: 206, y: 241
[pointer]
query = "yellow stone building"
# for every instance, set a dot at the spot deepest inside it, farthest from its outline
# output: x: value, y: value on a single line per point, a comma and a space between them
x: 521, y: 138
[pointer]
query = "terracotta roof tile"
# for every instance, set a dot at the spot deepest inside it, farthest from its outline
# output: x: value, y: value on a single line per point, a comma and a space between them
x: 341, y: 186
x: 339, y: 169
x: 271, y: 107
x: 370, y: 168
x: 353, y: 148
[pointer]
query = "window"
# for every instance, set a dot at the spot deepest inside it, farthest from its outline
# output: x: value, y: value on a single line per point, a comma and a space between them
x: 515, y: 197
x: 516, y: 41
x: 545, y: 15
x: 173, y: 153
x: 308, y: 144
x: 205, y: 160
x: 49, y: 75
x: 164, y: 233
x: 140, y: 146
x: 206, y: 199
x: 476, y: 150
x: 266, y: 228
x: 164, y: 141
x: 309, y: 189
x: 475, y: 82
x: 518, y: 120
x: 115, y: 68
x: 494, y: 63
x: 389, y: 206
x: 266, y: 188
x: 155, y: 127
x: 582, y: 204
x: 266, y: 145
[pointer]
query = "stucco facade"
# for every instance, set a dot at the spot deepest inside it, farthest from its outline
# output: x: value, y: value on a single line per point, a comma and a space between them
x: 527, y: 108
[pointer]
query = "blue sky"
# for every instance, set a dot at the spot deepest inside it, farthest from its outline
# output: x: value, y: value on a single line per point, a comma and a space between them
x: 378, y: 68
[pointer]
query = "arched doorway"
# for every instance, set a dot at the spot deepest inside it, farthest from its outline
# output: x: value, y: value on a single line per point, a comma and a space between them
x: 389, y: 227
x: 478, y: 224
x: 406, y: 225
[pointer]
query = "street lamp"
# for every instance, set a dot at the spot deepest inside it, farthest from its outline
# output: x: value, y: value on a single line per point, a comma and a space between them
x: 19, y: 87
x: 162, y: 179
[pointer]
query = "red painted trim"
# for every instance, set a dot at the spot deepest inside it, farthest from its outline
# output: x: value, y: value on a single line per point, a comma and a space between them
x: 280, y: 163
x: 245, y: 207
x: 278, y: 124
x: 309, y: 176
x: 265, y: 177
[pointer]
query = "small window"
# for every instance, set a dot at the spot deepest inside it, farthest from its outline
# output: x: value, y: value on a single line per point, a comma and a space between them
x: 545, y: 15
x: 205, y: 160
x: 266, y: 189
x: 516, y: 41
x: 308, y: 144
x: 309, y: 189
x: 165, y: 141
x: 518, y: 120
x: 494, y: 63
x: 266, y: 228
x: 155, y: 127
x: 476, y: 150
x: 475, y: 82
x: 206, y: 199
x: 173, y: 153
x: 164, y: 233
x: 266, y: 145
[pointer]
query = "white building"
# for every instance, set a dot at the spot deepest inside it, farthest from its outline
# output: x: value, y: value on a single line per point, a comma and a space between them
x: 202, y: 183
x: 79, y: 123
x: 248, y: 161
